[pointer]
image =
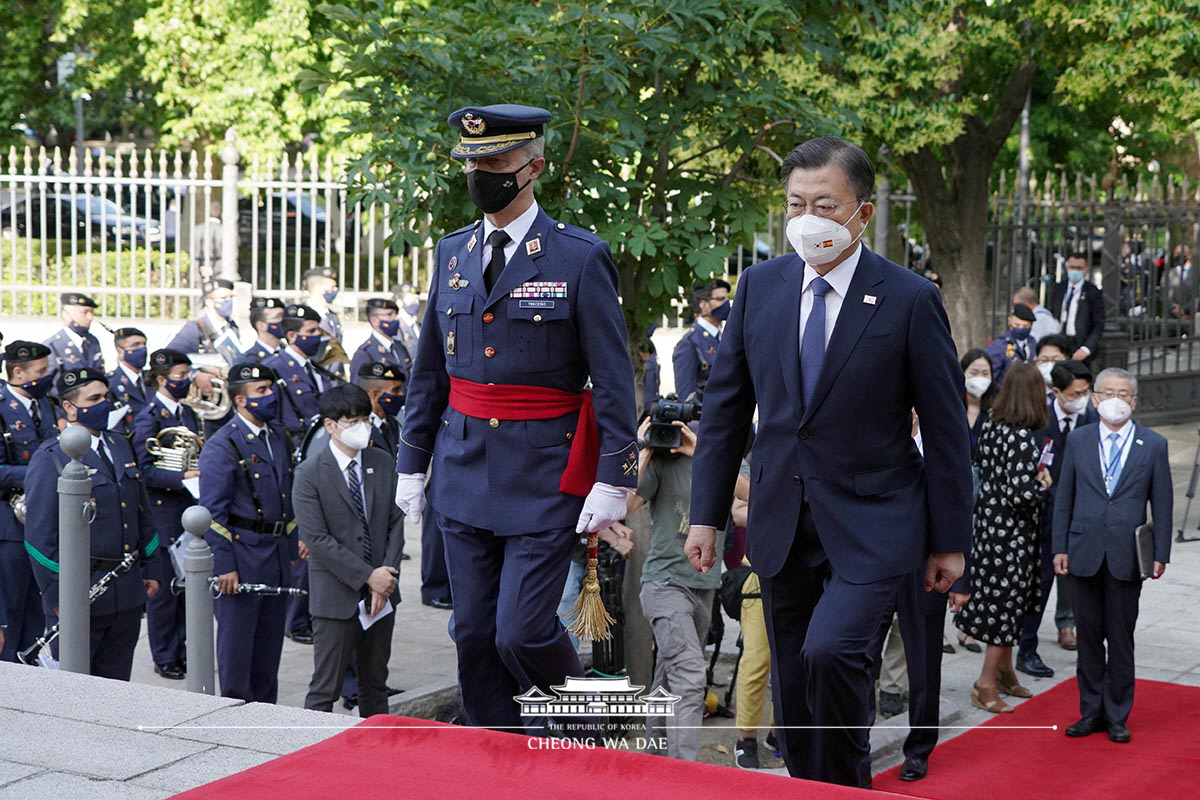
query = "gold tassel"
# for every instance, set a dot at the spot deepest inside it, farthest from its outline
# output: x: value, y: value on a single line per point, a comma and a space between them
x: 589, y: 618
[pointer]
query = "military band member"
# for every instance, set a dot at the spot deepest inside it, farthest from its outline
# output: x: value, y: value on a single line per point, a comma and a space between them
x: 384, y: 384
x: 321, y: 286
x: 170, y: 379
x: 121, y: 526
x: 125, y: 382
x: 384, y: 343
x: 246, y: 484
x: 75, y: 345
x: 529, y: 305
x: 409, y: 301
x: 295, y: 366
x: 266, y: 317
x: 696, y: 351
x: 26, y: 420
x: 199, y: 335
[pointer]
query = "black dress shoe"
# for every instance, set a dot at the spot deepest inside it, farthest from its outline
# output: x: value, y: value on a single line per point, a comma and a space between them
x: 890, y: 703
x: 172, y: 672
x: 1032, y: 664
x: 914, y: 769
x: 1117, y: 732
x: 1086, y: 727
x: 393, y: 692
x: 444, y: 603
x: 350, y: 701
x: 301, y: 636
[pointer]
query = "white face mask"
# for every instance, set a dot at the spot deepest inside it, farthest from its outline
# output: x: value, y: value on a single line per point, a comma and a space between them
x: 1076, y: 406
x: 1045, y: 369
x: 818, y: 240
x: 356, y: 437
x: 977, y: 385
x: 1114, y: 411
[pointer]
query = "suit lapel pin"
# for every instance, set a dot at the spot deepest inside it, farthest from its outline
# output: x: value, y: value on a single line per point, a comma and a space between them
x: 533, y: 247
x: 1139, y: 441
x: 453, y: 263
x: 370, y: 470
x: 471, y: 244
x: 869, y: 299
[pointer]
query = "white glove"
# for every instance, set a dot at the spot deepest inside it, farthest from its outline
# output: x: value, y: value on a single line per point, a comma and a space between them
x: 410, y: 494
x: 605, y: 504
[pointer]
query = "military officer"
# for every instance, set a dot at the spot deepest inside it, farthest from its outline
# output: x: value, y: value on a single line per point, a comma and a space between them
x: 266, y: 317
x: 695, y: 352
x: 200, y: 335
x: 321, y: 286
x: 75, y: 345
x: 384, y: 384
x: 121, y: 526
x: 26, y: 420
x: 1015, y: 345
x: 384, y: 343
x: 530, y: 305
x: 409, y: 301
x: 296, y: 367
x: 246, y: 483
x: 169, y: 378
x: 125, y: 382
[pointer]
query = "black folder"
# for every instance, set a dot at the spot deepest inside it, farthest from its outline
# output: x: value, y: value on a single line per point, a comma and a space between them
x: 1145, y: 549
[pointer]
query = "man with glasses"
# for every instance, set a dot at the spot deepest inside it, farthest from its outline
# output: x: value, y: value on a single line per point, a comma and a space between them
x: 1112, y: 471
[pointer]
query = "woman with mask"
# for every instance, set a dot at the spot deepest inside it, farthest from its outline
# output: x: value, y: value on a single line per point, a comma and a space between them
x: 979, y: 392
x: 1005, y: 552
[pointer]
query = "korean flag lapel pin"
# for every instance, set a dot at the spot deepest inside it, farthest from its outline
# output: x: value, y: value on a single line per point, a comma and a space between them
x: 870, y: 299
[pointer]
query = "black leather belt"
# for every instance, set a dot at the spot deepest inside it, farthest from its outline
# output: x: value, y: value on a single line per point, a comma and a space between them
x: 265, y: 528
x: 108, y: 564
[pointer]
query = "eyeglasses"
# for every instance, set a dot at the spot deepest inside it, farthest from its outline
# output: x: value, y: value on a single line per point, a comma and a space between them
x: 824, y: 208
x: 1050, y: 359
x: 1108, y: 394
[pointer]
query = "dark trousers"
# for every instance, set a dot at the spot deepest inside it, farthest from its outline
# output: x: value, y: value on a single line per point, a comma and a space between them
x: 249, y: 645
x: 1106, y: 610
x: 166, y: 618
x: 1028, y: 643
x: 338, y: 643
x: 114, y: 638
x: 509, y: 638
x: 297, y: 605
x: 824, y: 640
x: 435, y: 583
x: 21, y: 598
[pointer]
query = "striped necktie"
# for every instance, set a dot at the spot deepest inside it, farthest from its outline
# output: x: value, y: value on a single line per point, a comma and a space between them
x: 356, y: 494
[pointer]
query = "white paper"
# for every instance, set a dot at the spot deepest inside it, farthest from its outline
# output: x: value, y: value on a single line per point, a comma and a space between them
x: 177, y: 550
x: 193, y: 486
x: 116, y: 415
x: 364, y: 614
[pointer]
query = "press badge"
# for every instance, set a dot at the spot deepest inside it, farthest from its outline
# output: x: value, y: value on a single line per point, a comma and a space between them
x: 535, y: 304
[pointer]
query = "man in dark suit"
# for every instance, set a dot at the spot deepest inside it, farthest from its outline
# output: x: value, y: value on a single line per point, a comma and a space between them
x: 835, y: 350
x: 695, y: 352
x: 1070, y: 408
x: 1079, y: 304
x: 1111, y: 471
x: 343, y: 497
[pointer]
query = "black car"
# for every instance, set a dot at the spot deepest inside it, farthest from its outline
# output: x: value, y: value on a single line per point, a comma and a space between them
x: 57, y: 216
x: 295, y: 221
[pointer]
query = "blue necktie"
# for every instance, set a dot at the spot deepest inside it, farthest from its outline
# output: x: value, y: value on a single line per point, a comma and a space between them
x: 1113, y: 473
x: 812, y: 346
x: 356, y: 493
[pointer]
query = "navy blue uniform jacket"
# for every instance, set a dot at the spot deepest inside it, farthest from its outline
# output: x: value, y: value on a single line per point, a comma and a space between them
x: 504, y: 477
x: 17, y: 423
x: 879, y: 508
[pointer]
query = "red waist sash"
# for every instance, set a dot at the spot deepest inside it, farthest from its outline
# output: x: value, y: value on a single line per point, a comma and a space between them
x: 513, y: 402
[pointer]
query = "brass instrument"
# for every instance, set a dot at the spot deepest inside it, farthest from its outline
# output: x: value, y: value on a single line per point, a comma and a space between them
x: 333, y: 353
x: 183, y: 454
x: 213, y: 405
x: 17, y: 501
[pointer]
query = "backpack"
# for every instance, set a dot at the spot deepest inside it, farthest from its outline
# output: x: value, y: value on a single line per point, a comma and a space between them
x: 731, y: 594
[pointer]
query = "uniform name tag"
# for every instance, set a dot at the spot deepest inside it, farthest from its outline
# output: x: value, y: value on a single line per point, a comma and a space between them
x: 535, y: 303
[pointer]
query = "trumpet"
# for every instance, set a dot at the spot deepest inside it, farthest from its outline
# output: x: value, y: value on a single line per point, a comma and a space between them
x: 212, y: 405
x: 183, y: 454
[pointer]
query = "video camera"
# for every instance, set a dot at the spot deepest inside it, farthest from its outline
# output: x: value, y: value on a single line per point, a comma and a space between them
x: 664, y: 434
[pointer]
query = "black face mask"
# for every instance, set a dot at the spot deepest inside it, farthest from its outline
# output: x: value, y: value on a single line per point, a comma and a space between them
x: 491, y: 192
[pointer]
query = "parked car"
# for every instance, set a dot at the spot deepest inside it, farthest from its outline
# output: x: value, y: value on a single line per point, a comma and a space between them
x: 294, y: 220
x: 64, y: 213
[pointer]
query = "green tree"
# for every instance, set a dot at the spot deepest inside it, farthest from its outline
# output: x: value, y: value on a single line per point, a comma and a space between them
x: 664, y: 113
x: 27, y: 74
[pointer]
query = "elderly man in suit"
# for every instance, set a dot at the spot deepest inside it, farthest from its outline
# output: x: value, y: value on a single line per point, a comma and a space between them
x: 1111, y: 471
x: 1079, y: 304
x: 835, y: 346
x: 343, y: 496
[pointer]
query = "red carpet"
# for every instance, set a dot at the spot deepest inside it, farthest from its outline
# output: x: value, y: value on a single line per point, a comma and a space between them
x: 449, y: 762
x: 1162, y: 760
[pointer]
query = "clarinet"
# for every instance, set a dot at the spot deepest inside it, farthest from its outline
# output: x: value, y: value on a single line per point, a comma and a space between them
x: 30, y: 654
x: 178, y: 586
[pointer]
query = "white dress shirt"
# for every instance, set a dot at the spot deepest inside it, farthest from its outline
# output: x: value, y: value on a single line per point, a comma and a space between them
x: 705, y: 325
x: 516, y: 230
x: 1061, y: 415
x: 219, y: 323
x: 23, y: 400
x: 169, y: 402
x: 343, y: 461
x: 838, y: 279
x: 134, y: 376
x: 386, y: 341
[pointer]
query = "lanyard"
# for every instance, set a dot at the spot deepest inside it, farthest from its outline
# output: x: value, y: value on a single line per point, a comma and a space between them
x: 1111, y: 464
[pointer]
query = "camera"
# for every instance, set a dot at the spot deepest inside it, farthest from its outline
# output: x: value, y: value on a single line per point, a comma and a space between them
x: 664, y: 434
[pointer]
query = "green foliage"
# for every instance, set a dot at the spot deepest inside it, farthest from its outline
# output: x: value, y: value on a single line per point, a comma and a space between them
x: 662, y: 112
x: 27, y: 67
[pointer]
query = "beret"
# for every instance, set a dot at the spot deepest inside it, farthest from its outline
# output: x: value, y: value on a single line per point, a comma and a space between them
x: 381, y: 370
x: 75, y: 377
x: 168, y: 358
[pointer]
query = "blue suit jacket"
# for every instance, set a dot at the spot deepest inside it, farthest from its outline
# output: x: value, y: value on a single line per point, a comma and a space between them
x: 128, y: 392
x: 879, y: 508
x: 16, y: 425
x: 693, y: 358
x: 372, y: 351
x: 257, y: 557
x: 504, y: 478
x: 1059, y: 442
x: 65, y: 355
x: 122, y: 524
x: 258, y: 352
x: 1091, y: 527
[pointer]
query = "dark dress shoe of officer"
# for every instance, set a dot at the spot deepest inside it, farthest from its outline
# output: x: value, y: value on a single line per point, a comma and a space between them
x: 890, y: 703
x: 1117, y: 732
x: 301, y: 635
x: 1086, y: 727
x: 350, y: 701
x: 172, y: 672
x: 393, y: 692
x: 1032, y: 664
x: 914, y: 769
x: 444, y: 603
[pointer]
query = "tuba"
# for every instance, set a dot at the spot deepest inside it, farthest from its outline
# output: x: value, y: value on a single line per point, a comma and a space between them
x: 212, y: 405
x: 182, y: 455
